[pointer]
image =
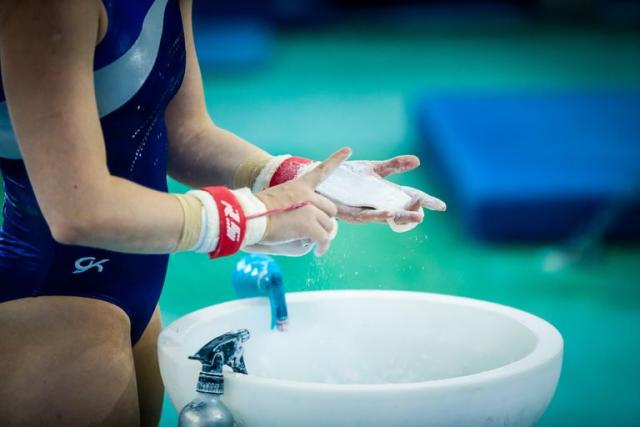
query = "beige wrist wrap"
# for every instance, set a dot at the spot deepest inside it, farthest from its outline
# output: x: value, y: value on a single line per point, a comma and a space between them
x: 249, y: 170
x: 192, y: 226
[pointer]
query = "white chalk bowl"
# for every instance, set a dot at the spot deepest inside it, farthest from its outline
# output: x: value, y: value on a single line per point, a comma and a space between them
x: 374, y: 358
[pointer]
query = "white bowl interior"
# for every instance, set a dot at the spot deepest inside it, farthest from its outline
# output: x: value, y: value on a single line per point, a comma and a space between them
x: 371, y: 338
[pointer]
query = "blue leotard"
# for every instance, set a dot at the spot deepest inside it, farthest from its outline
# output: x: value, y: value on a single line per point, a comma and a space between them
x: 139, y: 66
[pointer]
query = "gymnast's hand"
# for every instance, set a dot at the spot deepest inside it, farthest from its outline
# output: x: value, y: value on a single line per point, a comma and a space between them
x: 378, y: 171
x: 291, y: 231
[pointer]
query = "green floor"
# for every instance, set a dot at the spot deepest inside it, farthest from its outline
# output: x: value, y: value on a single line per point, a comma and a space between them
x: 355, y: 87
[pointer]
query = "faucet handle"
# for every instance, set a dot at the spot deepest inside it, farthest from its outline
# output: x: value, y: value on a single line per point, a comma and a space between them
x: 226, y: 349
x: 239, y: 366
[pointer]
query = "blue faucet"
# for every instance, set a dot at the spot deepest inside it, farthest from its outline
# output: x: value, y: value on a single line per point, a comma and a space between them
x: 260, y: 276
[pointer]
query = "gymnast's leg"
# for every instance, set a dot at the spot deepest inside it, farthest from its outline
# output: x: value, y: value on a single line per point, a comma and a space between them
x: 150, y: 388
x: 66, y: 361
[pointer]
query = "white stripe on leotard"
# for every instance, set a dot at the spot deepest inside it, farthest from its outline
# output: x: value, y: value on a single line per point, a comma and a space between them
x: 116, y: 83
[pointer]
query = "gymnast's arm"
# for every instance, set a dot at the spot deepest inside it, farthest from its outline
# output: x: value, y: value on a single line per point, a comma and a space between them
x: 46, y: 53
x: 201, y: 153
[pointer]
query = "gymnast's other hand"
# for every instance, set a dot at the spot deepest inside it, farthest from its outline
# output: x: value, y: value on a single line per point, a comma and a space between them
x: 311, y: 222
x: 380, y: 170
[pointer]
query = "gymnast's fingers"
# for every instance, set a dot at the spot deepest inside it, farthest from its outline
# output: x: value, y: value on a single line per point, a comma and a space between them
x: 324, y: 204
x: 426, y: 200
x: 327, y: 223
x: 396, y: 165
x: 407, y: 217
x: 361, y: 216
x: 414, y: 204
x: 320, y: 237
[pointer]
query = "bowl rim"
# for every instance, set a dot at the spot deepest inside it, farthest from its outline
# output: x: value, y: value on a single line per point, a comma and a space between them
x: 549, y: 344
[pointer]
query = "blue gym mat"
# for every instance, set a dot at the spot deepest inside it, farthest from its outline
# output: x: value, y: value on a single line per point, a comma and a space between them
x: 536, y: 166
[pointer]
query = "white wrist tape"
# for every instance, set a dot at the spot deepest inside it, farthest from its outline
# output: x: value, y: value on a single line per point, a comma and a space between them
x: 251, y: 205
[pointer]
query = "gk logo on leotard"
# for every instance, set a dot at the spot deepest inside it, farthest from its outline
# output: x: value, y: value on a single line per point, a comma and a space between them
x: 87, y: 263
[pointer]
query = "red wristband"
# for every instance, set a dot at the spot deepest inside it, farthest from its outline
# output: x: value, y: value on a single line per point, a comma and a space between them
x: 233, y: 223
x: 288, y: 170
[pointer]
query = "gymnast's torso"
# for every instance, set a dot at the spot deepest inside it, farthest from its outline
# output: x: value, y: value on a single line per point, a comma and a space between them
x: 139, y: 66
